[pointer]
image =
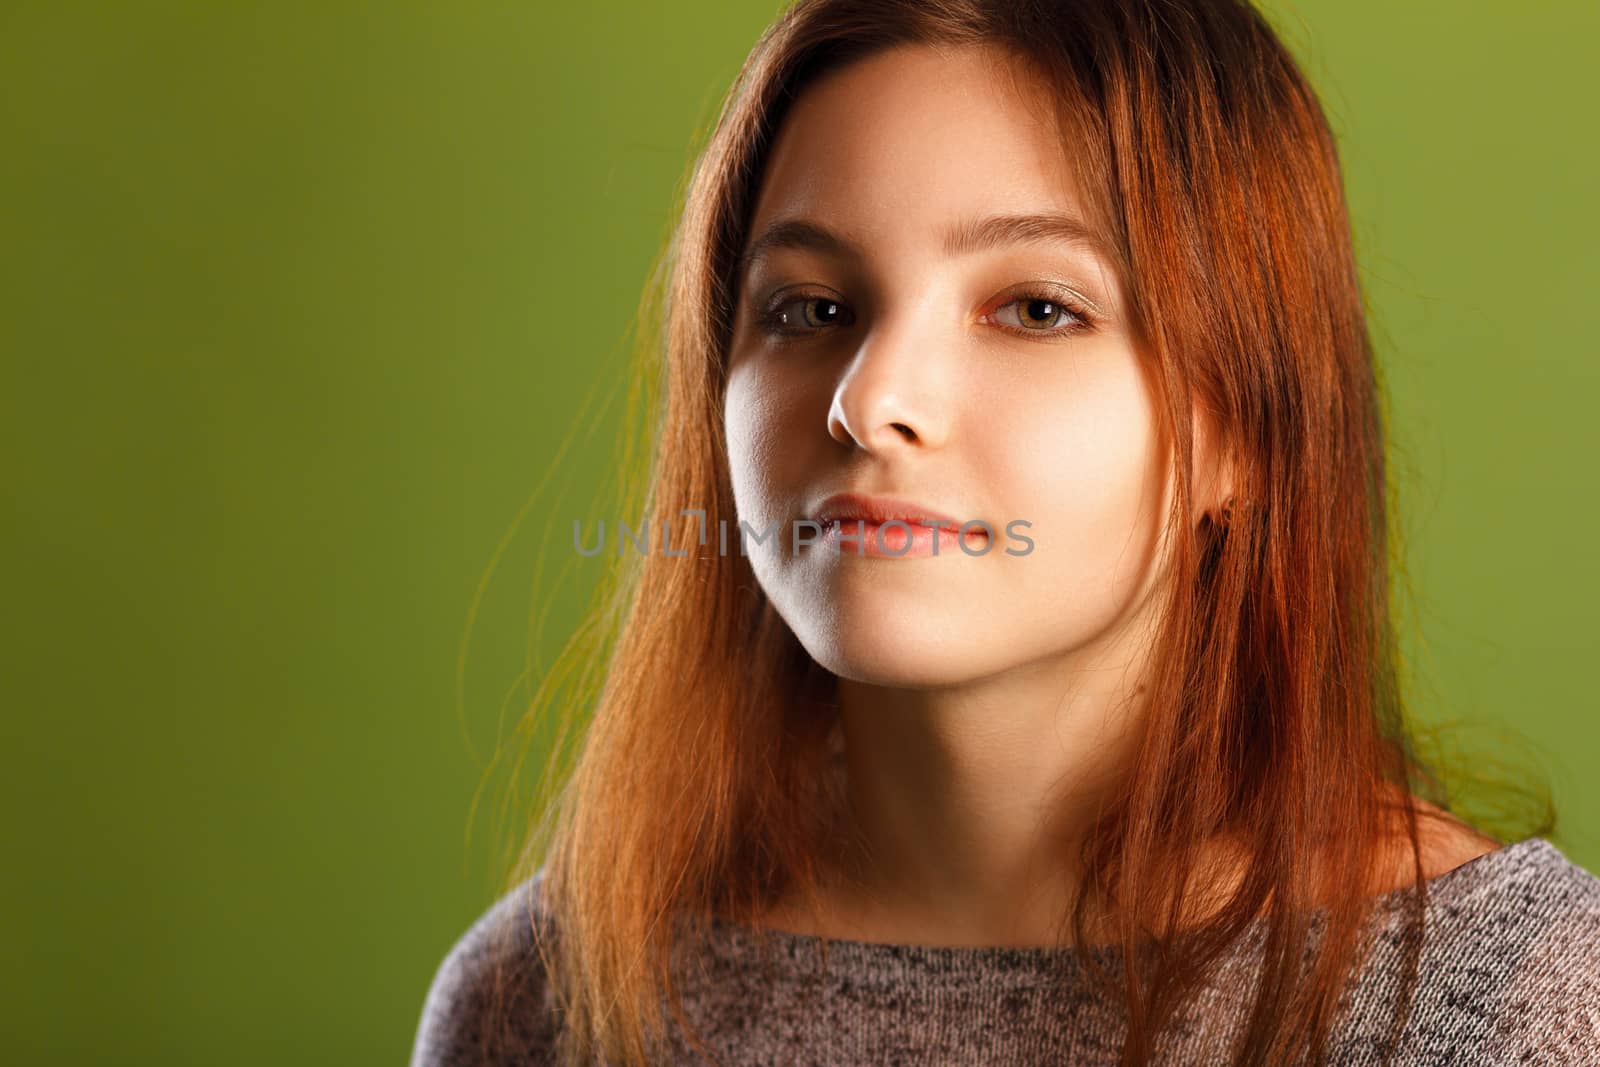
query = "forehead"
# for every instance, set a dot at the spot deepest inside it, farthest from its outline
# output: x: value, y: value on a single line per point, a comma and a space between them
x: 910, y: 140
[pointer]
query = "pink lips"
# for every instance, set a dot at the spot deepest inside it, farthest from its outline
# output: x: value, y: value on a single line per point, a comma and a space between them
x: 854, y: 523
x: 875, y: 509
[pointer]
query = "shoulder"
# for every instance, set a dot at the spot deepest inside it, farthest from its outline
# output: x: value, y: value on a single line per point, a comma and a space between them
x: 1519, y: 936
x: 490, y: 1001
x: 1549, y: 1008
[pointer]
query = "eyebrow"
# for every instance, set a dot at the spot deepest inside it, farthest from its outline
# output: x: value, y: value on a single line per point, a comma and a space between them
x: 964, y: 238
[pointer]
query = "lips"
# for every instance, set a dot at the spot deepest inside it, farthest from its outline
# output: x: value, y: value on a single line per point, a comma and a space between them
x: 860, y: 507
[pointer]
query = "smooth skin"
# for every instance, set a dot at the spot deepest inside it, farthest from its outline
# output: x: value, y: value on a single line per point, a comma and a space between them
x: 986, y: 701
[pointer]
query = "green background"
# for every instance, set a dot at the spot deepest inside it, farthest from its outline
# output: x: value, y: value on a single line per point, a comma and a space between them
x: 300, y: 302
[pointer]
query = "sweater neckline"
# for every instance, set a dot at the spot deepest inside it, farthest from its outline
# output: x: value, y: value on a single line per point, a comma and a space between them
x: 737, y: 939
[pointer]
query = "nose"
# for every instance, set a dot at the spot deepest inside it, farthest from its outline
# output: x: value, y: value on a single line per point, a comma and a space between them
x: 891, y: 395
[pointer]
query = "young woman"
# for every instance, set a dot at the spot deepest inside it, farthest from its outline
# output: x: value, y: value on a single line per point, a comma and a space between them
x: 1111, y: 768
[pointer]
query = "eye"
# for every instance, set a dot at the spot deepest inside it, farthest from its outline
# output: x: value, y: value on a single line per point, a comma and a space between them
x: 803, y: 314
x: 1038, y: 314
x: 1042, y: 314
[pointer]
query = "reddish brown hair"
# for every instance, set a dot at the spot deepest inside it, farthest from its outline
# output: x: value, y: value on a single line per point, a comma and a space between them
x: 1276, y: 722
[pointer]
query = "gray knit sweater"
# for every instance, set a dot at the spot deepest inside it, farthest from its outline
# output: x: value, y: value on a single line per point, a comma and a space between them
x: 1510, y: 974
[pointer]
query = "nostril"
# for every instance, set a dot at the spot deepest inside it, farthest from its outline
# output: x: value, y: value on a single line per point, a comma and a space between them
x: 905, y: 431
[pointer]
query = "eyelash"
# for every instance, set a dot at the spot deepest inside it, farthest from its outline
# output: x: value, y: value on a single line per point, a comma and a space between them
x: 1081, y: 321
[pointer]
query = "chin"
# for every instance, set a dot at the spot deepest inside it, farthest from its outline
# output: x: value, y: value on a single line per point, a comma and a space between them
x: 907, y: 653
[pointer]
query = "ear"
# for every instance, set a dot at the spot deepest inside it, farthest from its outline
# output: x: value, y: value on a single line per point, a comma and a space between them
x: 1215, y: 466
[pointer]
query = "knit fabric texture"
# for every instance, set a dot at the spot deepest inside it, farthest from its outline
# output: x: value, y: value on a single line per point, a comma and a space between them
x: 1510, y: 974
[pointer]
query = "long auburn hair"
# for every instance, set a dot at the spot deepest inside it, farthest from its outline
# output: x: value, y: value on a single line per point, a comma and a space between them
x: 703, y: 785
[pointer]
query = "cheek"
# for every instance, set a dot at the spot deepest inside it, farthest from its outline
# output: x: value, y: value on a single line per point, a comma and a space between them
x: 1080, y: 460
x: 757, y: 419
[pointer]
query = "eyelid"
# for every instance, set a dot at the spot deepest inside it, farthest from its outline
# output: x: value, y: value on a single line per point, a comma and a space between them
x: 1056, y: 291
x: 796, y: 291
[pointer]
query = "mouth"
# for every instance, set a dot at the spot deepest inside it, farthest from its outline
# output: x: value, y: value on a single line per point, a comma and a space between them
x: 881, y: 527
x: 860, y: 508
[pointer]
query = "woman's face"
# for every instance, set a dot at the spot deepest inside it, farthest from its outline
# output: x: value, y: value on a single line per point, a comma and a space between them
x: 915, y: 348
